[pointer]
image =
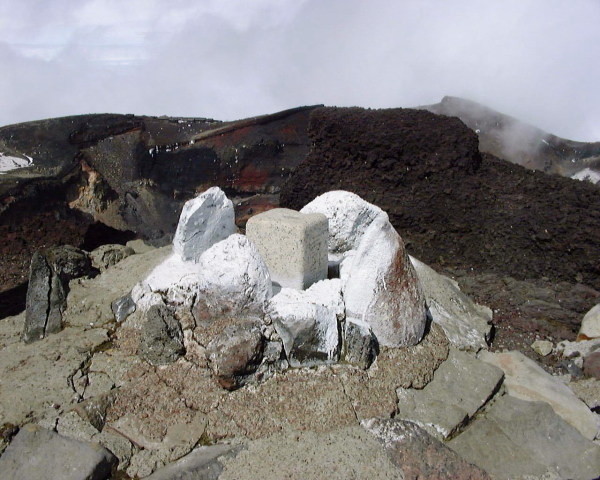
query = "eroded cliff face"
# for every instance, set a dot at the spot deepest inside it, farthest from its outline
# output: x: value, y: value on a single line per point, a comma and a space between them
x: 103, y: 178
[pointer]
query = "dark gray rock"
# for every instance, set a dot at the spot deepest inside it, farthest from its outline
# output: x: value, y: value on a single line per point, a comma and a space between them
x: 123, y: 307
x: 49, y: 275
x: 418, y: 454
x: 204, y: 463
x: 517, y: 438
x: 38, y: 299
x: 360, y: 344
x: 39, y: 454
x: 162, y: 337
x: 235, y: 353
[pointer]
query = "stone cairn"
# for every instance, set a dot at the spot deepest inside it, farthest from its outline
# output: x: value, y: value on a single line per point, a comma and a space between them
x: 328, y: 284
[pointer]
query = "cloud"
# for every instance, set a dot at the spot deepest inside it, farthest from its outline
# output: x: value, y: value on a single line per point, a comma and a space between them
x: 227, y: 59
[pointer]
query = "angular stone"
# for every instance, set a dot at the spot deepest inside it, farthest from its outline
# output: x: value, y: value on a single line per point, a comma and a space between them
x: 349, y: 217
x: 381, y: 287
x: 466, y: 324
x: 516, y: 438
x: 526, y: 380
x: 418, y: 454
x: 588, y: 390
x: 292, y: 244
x: 39, y: 454
x: 202, y: 463
x: 233, y: 278
x: 235, y: 353
x: 307, y: 322
x: 108, y: 255
x: 162, y: 337
x: 590, y: 325
x: 360, y: 344
x: 204, y: 221
x: 461, y: 386
x: 542, y: 347
x: 123, y: 307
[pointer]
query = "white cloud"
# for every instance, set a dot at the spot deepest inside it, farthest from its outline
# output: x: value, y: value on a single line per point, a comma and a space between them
x: 534, y: 59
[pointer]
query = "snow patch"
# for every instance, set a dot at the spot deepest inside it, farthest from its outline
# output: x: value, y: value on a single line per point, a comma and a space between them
x: 8, y: 163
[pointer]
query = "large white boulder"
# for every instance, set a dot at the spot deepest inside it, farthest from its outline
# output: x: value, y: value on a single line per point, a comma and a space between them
x: 466, y: 324
x: 204, y: 221
x: 590, y: 325
x: 381, y: 288
x: 307, y: 322
x: 234, y: 275
x: 349, y: 217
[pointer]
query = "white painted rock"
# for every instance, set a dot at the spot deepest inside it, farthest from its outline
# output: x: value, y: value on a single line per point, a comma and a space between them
x: 349, y: 217
x: 307, y: 322
x: 232, y: 273
x: 381, y: 288
x: 590, y: 325
x: 526, y: 380
x: 466, y: 324
x: 204, y: 221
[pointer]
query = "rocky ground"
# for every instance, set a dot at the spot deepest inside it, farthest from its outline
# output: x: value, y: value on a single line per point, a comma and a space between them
x: 521, y: 242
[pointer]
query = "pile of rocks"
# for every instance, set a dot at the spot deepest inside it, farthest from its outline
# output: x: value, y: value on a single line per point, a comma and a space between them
x: 296, y: 350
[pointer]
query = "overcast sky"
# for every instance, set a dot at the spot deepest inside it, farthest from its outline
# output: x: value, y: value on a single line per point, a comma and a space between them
x: 538, y: 60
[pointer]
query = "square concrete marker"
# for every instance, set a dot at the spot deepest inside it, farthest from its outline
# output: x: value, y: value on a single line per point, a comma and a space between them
x: 292, y: 244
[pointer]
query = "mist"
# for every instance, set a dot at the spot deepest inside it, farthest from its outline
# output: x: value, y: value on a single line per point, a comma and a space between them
x: 536, y: 60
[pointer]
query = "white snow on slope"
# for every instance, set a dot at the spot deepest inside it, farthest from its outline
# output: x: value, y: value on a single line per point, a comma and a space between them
x: 8, y: 163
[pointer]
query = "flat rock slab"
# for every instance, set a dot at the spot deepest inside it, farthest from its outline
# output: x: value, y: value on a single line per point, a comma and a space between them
x: 526, y: 380
x: 345, y: 453
x: 517, y: 438
x: 203, y: 463
x: 460, y: 387
x: 418, y: 454
x: 292, y: 244
x: 37, y: 376
x: 39, y: 454
x: 466, y: 324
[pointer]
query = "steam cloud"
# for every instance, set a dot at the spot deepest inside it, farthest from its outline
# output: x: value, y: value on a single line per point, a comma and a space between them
x: 533, y: 59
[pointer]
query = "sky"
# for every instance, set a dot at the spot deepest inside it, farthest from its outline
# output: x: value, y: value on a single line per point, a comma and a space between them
x: 537, y: 60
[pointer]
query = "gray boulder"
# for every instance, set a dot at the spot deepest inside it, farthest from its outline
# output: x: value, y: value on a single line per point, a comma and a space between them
x: 162, y: 337
x: 39, y: 454
x: 49, y: 276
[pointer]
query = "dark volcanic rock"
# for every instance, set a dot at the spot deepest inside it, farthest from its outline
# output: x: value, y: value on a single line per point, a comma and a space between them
x: 451, y: 206
x: 162, y: 337
x: 50, y: 273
